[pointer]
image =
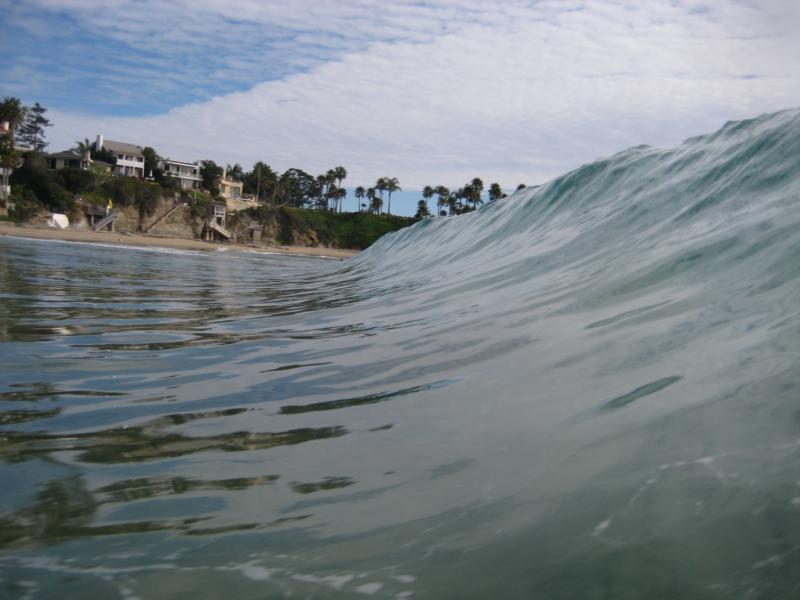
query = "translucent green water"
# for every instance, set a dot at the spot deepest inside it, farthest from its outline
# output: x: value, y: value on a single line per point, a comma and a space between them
x: 588, y: 390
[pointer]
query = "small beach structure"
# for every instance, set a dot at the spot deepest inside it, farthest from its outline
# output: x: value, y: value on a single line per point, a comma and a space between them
x: 214, y: 229
x: 252, y: 234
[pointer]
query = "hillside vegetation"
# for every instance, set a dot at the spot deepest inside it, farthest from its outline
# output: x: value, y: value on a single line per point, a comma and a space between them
x: 300, y: 226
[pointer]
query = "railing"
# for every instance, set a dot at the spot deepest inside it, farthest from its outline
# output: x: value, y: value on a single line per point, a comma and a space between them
x: 107, y: 220
x: 212, y: 224
x: 162, y: 217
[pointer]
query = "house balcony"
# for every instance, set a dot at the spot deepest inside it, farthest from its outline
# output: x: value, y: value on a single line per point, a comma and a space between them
x: 179, y: 175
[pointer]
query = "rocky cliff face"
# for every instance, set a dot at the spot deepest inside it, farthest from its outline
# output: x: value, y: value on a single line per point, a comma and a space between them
x: 263, y: 225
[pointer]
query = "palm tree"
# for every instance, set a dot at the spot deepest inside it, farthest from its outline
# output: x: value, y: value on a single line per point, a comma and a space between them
x: 422, y: 210
x: 392, y: 185
x: 262, y: 181
x: 11, y: 111
x: 427, y: 193
x: 454, y: 203
x: 84, y: 150
x: 339, y: 173
x: 477, y: 192
x: 360, y: 193
x: 82, y: 147
x: 376, y: 204
x: 235, y: 172
x: 323, y: 183
x: 339, y: 195
x: 443, y: 197
x: 328, y: 182
x: 459, y: 201
x: 380, y: 185
x: 495, y: 192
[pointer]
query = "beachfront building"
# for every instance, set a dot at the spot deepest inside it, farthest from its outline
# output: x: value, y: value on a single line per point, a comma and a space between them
x: 7, y: 170
x: 130, y: 160
x: 187, y: 174
x: 68, y: 159
x: 230, y: 189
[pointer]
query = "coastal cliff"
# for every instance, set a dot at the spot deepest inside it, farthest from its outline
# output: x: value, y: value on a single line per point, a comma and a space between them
x: 182, y: 216
x: 164, y: 211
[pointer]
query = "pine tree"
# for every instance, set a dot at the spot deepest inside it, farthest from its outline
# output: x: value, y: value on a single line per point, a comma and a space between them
x: 31, y: 132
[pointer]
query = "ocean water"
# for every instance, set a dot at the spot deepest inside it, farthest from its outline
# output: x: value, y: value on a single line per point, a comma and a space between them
x: 590, y: 389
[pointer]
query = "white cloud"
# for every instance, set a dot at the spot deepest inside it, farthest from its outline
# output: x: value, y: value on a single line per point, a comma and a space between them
x: 511, y: 93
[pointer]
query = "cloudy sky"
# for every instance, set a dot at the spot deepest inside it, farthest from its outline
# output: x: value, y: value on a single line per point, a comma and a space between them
x: 432, y: 92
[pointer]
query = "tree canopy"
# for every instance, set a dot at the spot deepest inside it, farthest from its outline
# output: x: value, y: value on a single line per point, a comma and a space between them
x: 31, y: 130
x: 210, y: 173
x: 13, y: 112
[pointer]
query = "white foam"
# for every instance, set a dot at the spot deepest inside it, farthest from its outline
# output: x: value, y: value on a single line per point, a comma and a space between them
x: 156, y: 249
x: 601, y: 527
x: 256, y: 573
x: 334, y: 581
x: 369, y: 588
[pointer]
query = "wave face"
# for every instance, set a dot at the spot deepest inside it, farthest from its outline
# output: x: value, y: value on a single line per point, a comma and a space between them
x: 586, y: 390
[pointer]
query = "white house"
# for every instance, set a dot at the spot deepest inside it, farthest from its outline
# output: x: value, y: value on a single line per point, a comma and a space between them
x: 130, y: 160
x: 187, y: 174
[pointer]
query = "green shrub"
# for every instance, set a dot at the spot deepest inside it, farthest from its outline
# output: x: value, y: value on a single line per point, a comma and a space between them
x: 58, y: 199
x: 127, y: 191
x: 169, y: 184
x: 78, y: 181
x: 198, y: 204
x: 26, y: 204
x: 346, y: 230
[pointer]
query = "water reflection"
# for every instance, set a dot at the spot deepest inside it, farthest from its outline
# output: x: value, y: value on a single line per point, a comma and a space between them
x: 141, y: 444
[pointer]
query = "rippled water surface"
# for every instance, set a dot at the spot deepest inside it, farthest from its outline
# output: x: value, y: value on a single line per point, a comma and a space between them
x: 590, y: 389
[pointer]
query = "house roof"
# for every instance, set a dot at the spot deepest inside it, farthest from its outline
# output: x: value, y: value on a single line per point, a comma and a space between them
x: 122, y: 147
x: 69, y: 154
x: 169, y: 161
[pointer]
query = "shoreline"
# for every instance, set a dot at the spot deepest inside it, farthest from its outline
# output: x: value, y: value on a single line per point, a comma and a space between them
x: 151, y: 241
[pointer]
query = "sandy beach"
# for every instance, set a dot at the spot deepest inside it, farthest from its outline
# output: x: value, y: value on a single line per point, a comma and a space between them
x: 139, y: 239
